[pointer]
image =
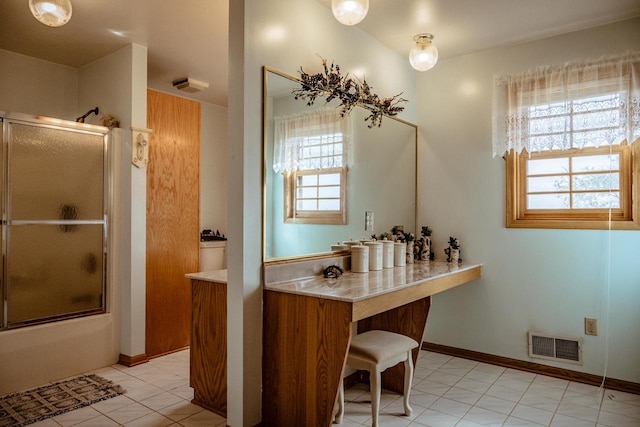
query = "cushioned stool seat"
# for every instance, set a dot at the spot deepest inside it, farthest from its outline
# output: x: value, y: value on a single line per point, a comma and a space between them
x: 375, y: 351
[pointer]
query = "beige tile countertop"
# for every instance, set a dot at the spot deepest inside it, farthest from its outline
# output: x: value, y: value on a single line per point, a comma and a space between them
x: 354, y: 287
x: 217, y: 276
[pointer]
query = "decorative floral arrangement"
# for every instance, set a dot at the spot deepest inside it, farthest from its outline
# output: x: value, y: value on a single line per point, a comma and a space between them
x: 408, y: 237
x: 426, y: 231
x: 453, y: 242
x: 109, y: 121
x: 332, y: 84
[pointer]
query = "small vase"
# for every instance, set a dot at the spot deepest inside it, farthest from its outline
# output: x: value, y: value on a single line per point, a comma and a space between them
x: 425, y: 254
x: 417, y: 248
x: 453, y: 255
x: 410, y: 252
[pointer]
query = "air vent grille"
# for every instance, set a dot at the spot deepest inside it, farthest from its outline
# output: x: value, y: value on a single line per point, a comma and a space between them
x: 564, y: 349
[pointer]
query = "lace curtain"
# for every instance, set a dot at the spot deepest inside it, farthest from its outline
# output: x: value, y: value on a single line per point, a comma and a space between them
x: 574, y: 105
x: 316, y: 139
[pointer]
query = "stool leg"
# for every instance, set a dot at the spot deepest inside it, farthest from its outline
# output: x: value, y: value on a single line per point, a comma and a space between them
x: 408, y: 379
x: 340, y: 413
x: 375, y: 380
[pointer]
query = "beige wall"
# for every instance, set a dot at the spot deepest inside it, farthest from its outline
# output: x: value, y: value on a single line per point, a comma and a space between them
x: 213, y: 168
x: 541, y: 280
x: 285, y: 35
x: 40, y: 88
x: 36, y: 355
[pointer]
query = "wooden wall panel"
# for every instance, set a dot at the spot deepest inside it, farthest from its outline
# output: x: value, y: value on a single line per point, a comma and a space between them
x: 305, y: 344
x: 173, y: 203
x: 208, y: 361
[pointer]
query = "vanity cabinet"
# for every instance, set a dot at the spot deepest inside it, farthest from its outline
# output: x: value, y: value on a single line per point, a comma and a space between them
x: 308, y: 325
x: 208, y: 352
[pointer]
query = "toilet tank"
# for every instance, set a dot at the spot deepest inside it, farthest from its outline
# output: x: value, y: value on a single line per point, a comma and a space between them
x: 213, y: 255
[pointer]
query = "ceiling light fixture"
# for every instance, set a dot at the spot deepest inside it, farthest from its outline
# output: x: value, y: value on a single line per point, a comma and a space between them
x: 350, y: 12
x: 424, y: 54
x: 53, y: 13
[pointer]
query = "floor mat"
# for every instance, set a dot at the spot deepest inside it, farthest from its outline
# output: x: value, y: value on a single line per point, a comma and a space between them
x: 20, y: 409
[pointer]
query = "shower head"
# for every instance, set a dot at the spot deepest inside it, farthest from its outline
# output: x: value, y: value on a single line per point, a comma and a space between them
x: 81, y: 118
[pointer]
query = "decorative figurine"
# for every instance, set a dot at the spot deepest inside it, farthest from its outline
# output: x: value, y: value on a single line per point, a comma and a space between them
x: 453, y: 251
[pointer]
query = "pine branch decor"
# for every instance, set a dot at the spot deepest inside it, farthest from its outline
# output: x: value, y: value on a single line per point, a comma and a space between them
x: 332, y: 84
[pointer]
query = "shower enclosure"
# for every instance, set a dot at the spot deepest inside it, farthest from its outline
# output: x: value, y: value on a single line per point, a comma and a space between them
x: 54, y: 197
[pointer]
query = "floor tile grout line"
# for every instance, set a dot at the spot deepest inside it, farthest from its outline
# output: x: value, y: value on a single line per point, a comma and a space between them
x: 536, y: 385
x: 460, y: 419
x: 564, y: 392
x: 600, y: 403
x: 519, y: 399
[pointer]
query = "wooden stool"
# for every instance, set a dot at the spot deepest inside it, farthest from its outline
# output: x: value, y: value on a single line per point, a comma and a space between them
x: 375, y: 351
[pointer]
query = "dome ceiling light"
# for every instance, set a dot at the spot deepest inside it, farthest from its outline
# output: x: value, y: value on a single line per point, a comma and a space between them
x: 350, y: 12
x: 53, y: 13
x: 424, y: 54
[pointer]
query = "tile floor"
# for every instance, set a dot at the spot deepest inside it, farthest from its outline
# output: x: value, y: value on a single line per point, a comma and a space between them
x: 157, y: 395
x: 447, y: 391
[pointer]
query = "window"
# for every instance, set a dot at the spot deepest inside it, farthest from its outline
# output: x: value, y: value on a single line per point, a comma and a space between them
x: 574, y: 181
x: 312, y: 154
x: 568, y: 136
x: 316, y: 197
x: 580, y: 188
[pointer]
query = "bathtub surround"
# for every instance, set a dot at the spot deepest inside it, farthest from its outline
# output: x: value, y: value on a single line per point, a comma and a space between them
x: 44, y: 353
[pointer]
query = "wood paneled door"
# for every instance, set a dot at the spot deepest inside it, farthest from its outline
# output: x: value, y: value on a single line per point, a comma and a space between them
x: 173, y: 219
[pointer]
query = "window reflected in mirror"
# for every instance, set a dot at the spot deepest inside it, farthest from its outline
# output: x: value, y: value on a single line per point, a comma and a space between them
x: 318, y: 189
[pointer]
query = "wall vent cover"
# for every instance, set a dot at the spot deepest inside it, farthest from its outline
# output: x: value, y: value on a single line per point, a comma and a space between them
x: 563, y: 349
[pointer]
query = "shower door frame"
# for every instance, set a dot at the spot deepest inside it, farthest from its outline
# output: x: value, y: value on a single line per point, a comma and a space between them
x: 6, y: 119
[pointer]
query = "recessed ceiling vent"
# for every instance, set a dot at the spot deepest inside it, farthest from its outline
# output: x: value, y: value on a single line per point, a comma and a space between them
x: 187, y: 84
x: 562, y: 349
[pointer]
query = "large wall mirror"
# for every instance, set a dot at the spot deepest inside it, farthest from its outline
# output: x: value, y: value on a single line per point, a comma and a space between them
x: 380, y: 178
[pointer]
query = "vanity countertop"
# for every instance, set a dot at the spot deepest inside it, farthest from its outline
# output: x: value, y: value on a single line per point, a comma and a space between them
x: 355, y: 287
x: 217, y: 276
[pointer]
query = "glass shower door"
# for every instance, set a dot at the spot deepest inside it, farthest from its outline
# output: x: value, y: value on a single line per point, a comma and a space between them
x: 55, y: 228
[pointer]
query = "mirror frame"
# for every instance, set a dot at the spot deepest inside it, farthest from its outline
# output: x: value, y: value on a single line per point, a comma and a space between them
x: 272, y: 261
